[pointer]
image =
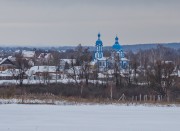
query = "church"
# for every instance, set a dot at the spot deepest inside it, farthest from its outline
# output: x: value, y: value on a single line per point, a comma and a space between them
x: 117, y: 55
x: 99, y: 59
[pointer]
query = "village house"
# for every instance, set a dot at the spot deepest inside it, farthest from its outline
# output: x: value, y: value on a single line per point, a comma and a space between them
x: 43, y: 72
x: 45, y: 57
x: 28, y: 54
x: 6, y: 64
x: 66, y: 63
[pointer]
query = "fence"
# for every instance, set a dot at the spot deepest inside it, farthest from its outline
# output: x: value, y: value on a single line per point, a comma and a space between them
x: 143, y: 98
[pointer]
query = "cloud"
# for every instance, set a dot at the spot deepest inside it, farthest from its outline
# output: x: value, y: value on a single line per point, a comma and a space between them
x: 59, y: 22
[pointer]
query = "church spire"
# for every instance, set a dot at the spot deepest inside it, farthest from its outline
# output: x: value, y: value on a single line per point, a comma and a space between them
x: 99, y: 42
x: 99, y: 35
x: 99, y: 48
x: 116, y: 45
x: 116, y: 39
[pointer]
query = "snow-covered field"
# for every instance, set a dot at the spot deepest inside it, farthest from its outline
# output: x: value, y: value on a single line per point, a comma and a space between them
x: 16, y: 117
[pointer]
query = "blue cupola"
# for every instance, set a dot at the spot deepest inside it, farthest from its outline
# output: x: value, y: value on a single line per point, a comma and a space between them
x: 116, y: 45
x: 99, y: 42
x: 117, y: 48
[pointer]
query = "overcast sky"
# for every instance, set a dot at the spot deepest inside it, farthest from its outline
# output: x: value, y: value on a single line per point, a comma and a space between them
x: 70, y: 22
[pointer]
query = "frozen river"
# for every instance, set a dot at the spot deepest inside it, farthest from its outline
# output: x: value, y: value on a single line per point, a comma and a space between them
x: 14, y: 117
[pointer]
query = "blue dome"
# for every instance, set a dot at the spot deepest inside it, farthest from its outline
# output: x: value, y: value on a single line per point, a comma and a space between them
x: 99, y: 42
x: 116, y: 45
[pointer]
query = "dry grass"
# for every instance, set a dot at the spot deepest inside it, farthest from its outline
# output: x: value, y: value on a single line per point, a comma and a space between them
x: 52, y: 99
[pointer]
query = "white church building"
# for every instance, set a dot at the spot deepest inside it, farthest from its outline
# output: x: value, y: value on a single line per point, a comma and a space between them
x: 104, y: 63
x: 99, y: 59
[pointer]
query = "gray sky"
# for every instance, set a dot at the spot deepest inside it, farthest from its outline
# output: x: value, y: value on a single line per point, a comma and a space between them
x: 70, y: 22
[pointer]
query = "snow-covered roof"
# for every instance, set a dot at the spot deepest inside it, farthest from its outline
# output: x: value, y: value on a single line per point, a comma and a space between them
x: 77, y: 70
x: 48, y: 55
x: 62, y: 51
x: 4, y: 61
x: 44, y: 55
x: 124, y: 59
x: 11, y: 58
x: 28, y: 54
x: 17, y: 51
x: 110, y: 71
x: 167, y: 62
x: 35, y: 69
x: 102, y: 59
x: 101, y: 75
x: 68, y: 60
x: 92, y: 63
x: 9, y: 72
x: 41, y: 55
x: 31, y: 63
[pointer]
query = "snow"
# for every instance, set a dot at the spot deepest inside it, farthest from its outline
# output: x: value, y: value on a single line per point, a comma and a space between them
x: 36, y: 69
x: 75, y: 69
x: 69, y: 61
x: 45, y: 56
x: 101, y: 75
x: 92, y: 63
x: 36, y: 101
x: 17, y: 51
x: 102, y: 59
x: 9, y: 72
x: 16, y: 117
x: 26, y: 81
x: 124, y: 59
x: 11, y: 58
x: 41, y: 81
x: 3, y: 60
x: 28, y: 54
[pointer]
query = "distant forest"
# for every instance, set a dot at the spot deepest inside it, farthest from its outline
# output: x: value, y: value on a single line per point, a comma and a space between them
x: 133, y: 47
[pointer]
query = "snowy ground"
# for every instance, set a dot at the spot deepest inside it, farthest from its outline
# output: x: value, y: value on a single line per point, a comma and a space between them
x: 25, y: 81
x: 16, y: 117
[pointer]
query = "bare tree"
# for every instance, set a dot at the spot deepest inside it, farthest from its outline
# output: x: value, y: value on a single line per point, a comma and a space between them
x: 74, y: 72
x: 95, y: 73
x: 167, y: 75
x: 22, y: 65
x: 116, y: 68
x: 86, y: 59
x: 134, y: 65
x: 56, y: 61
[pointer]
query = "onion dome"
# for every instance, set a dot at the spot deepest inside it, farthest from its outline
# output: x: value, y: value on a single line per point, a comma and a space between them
x: 116, y: 45
x: 99, y: 42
